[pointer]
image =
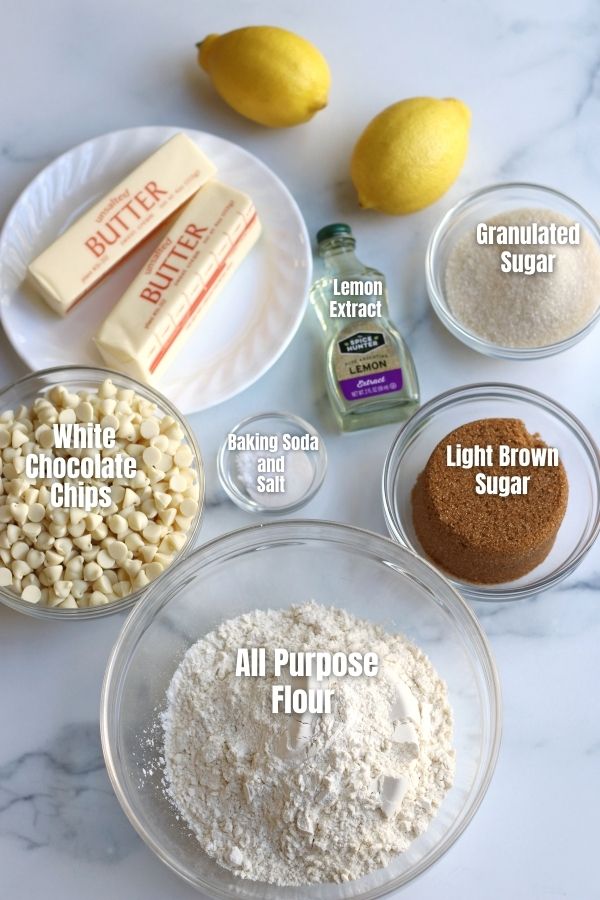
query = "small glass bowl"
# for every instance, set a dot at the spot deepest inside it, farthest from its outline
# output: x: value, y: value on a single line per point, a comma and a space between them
x: 274, y: 566
x: 76, y: 378
x: 272, y: 423
x: 413, y: 445
x: 479, y: 207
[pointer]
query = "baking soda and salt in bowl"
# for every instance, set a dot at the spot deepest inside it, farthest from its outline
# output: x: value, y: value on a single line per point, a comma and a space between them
x: 272, y: 463
x: 514, y: 271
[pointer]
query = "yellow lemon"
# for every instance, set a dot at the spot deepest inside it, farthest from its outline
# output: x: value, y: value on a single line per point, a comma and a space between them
x: 410, y: 154
x: 269, y: 75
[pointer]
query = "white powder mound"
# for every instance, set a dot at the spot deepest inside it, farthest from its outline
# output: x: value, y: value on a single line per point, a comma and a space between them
x: 513, y: 309
x: 367, y: 783
x: 298, y: 473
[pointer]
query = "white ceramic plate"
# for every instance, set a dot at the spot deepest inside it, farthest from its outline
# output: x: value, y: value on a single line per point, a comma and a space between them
x: 240, y: 336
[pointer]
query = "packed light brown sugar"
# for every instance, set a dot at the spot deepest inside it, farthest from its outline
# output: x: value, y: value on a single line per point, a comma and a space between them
x: 487, y: 538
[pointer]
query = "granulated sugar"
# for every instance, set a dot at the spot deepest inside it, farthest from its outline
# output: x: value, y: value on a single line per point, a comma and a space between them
x: 345, y: 800
x: 518, y: 310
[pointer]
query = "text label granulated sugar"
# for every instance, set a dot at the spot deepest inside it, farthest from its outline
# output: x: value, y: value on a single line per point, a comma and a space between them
x: 531, y: 293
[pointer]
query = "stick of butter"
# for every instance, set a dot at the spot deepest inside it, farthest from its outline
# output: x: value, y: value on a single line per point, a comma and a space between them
x: 119, y: 222
x: 159, y: 310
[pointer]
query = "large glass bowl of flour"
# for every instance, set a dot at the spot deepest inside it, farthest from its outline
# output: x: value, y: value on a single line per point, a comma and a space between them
x: 276, y: 566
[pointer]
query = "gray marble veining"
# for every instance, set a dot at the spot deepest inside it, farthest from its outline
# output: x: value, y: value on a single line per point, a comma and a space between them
x: 59, y: 797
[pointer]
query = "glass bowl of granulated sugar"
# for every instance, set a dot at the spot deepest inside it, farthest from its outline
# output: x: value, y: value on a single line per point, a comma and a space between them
x: 224, y: 790
x: 513, y: 271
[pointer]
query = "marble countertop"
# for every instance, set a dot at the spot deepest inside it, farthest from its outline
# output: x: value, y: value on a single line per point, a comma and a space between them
x: 530, y: 72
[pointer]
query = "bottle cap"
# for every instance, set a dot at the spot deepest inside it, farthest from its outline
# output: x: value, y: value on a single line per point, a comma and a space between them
x: 329, y: 231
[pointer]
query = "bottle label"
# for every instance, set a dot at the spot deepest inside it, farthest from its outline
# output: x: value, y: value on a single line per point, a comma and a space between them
x: 370, y: 385
x: 366, y: 365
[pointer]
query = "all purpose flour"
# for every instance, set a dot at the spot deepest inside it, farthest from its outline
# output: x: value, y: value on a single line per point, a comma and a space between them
x: 364, y: 785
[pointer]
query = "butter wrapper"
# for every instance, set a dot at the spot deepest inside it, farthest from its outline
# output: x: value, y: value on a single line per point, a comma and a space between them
x: 164, y: 303
x: 114, y: 226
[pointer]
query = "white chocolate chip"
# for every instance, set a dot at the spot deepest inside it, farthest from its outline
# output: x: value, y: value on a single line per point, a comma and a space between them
x: 130, y: 498
x: 137, y: 520
x: 19, y: 550
x: 20, y: 568
x: 92, y: 571
x: 118, y: 551
x: 153, y: 570
x: 36, y: 512
x: 149, y: 428
x: 35, y: 559
x: 151, y: 456
x: 62, y: 589
x: 188, y: 508
x: 51, y: 574
x: 93, y: 520
x: 183, y: 456
x: 103, y: 584
x: 31, y: 594
x: 162, y: 500
x: 141, y: 580
x: 177, y: 482
x: 152, y: 532
x: 167, y: 516
x: 19, y: 512
x: 85, y: 412
x: 117, y: 524
x: 105, y: 559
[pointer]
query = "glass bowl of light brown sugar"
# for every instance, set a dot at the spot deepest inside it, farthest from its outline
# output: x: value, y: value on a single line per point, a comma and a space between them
x: 501, y: 524
x: 513, y: 271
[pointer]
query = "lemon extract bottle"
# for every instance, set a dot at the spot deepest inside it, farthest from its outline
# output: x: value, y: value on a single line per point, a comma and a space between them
x: 371, y: 376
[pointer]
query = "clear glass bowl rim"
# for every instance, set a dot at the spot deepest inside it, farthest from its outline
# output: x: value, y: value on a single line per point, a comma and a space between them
x: 251, y: 506
x: 250, y: 539
x: 436, y: 293
x: 476, y: 391
x: 82, y: 373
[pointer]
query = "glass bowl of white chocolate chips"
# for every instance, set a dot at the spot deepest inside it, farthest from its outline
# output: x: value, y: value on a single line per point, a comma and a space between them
x: 243, y: 801
x: 101, y: 491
